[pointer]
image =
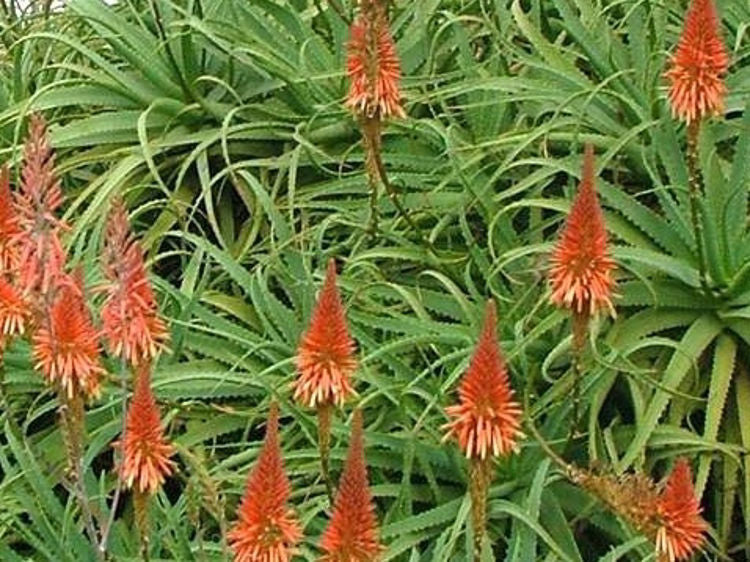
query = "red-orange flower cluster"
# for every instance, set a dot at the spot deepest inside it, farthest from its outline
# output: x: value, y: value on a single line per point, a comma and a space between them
x: 65, y: 345
x: 41, y: 256
x: 486, y: 420
x: 146, y: 452
x: 670, y: 517
x: 698, y: 66
x: 267, y: 530
x: 581, y: 272
x: 373, y: 65
x: 682, y: 527
x: 9, y: 228
x: 351, y: 535
x: 325, y: 357
x: 130, y: 317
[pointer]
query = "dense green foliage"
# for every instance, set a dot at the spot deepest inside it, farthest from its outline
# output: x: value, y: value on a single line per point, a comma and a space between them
x: 221, y: 124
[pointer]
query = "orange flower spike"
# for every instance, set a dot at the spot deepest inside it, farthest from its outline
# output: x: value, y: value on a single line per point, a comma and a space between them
x: 66, y: 344
x: 267, y: 530
x: 325, y: 357
x: 682, y: 527
x: 698, y: 65
x: 352, y: 533
x: 41, y: 256
x: 373, y: 65
x: 130, y: 317
x: 146, y: 452
x: 581, y: 269
x: 487, y: 420
x: 9, y: 227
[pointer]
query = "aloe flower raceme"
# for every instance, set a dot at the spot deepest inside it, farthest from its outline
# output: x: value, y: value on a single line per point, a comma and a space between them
x: 41, y: 257
x: 668, y: 516
x: 325, y: 357
x: 581, y: 268
x: 146, y: 452
x: 326, y: 363
x: 131, y: 323
x: 487, y: 420
x: 372, y: 64
x: 698, y: 65
x: 9, y: 227
x: 66, y: 344
x: 352, y: 533
x: 267, y: 530
x: 681, y: 530
x: 374, y: 95
x: 697, y: 90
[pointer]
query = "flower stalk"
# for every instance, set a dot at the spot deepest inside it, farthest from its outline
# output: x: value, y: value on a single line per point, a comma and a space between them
x: 325, y: 415
x: 695, y: 191
x: 480, y: 477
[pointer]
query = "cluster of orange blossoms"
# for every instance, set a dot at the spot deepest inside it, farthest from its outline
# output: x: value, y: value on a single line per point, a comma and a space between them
x: 35, y: 291
x: 581, y: 268
x: 130, y: 319
x: 325, y: 358
x: 487, y: 420
x: 268, y: 531
x: 698, y: 66
x: 671, y: 516
x: 135, y: 332
x: 372, y: 64
x: 66, y: 345
x: 351, y: 535
x: 37, y: 294
x: 146, y: 452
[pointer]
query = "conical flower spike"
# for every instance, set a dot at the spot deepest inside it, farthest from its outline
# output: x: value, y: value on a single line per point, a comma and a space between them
x: 697, y: 68
x: 486, y: 421
x: 682, y: 527
x: 581, y: 272
x: 66, y: 344
x: 372, y: 65
x: 352, y: 534
x: 146, y: 452
x: 266, y: 530
x: 41, y: 257
x: 325, y: 357
x: 130, y: 316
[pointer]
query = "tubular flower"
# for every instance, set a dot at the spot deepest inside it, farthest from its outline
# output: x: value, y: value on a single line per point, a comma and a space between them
x: 40, y: 253
x: 486, y: 420
x: 267, y: 531
x: 372, y: 65
x: 681, y: 531
x: 9, y: 228
x: 130, y: 317
x: 65, y: 345
x: 351, y: 535
x: 581, y: 269
x: 14, y: 312
x: 698, y: 65
x: 146, y: 452
x: 325, y: 357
